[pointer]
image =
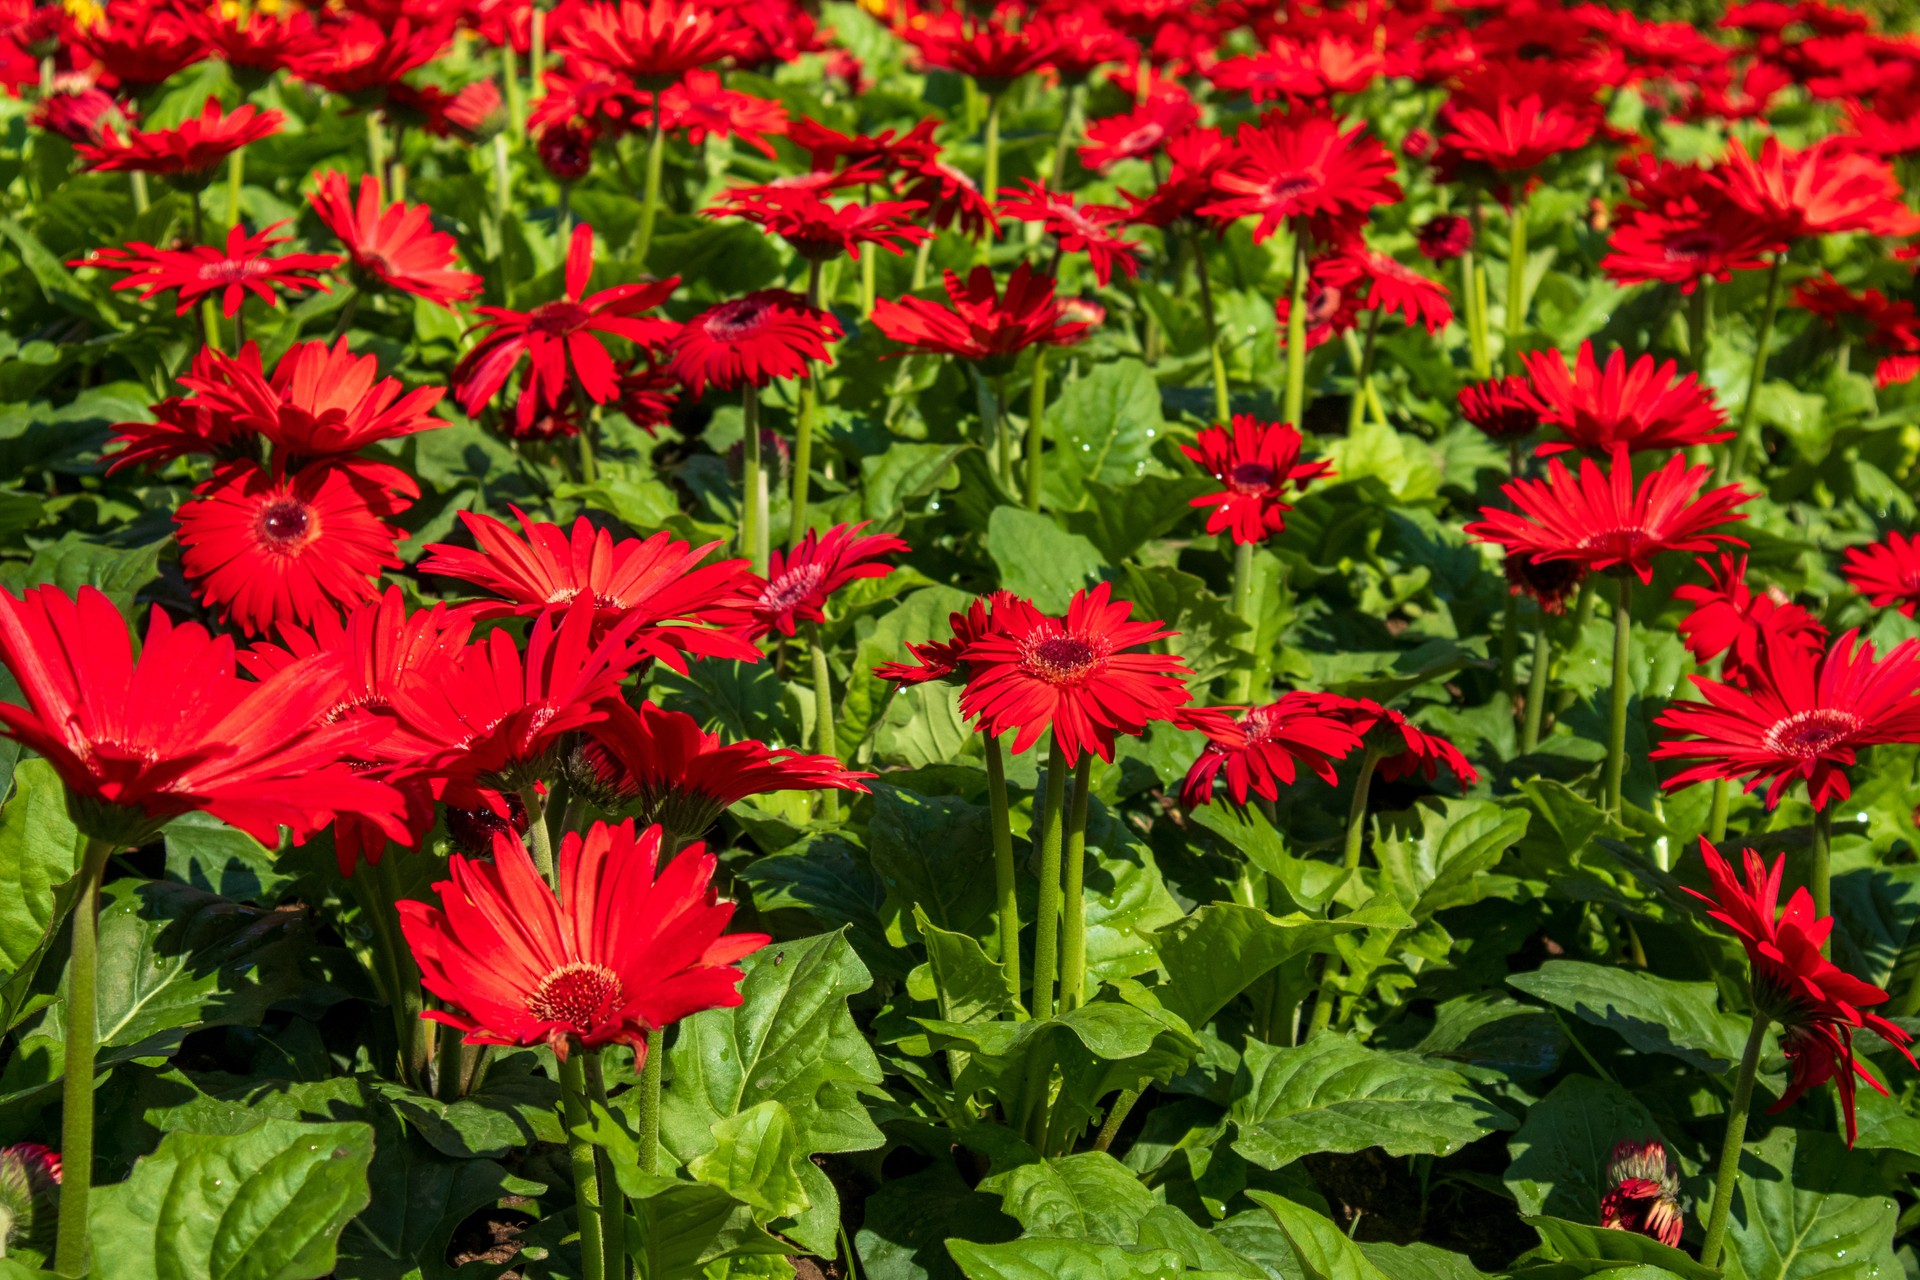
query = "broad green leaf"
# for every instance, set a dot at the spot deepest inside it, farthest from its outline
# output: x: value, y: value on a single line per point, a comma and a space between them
x: 753, y: 1161
x: 1103, y: 427
x: 1221, y: 949
x: 1043, y: 1258
x: 1653, y: 1014
x: 1441, y: 865
x: 1419, y: 1262
x: 1334, y: 1094
x: 904, y: 473
x: 1560, y: 1154
x: 1120, y: 519
x: 935, y: 854
x: 38, y: 848
x: 515, y: 1106
x: 266, y: 1204
x: 1208, y: 635
x: 1039, y: 560
x: 679, y: 1227
x: 909, y: 1220
x: 1323, y: 1249
x: 1807, y: 1209
x: 1165, y: 1227
x: 1877, y: 934
x: 210, y: 855
x: 1127, y: 902
x: 1583, y: 1242
x: 1089, y: 1196
x: 74, y: 562
x: 1496, y: 1032
x: 967, y: 984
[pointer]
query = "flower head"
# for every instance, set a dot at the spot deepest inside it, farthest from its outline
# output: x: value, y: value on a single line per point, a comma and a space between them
x: 1643, y: 1192
x: 1549, y: 582
x: 1144, y: 131
x: 943, y: 660
x: 363, y: 57
x: 1078, y: 228
x: 1259, y: 750
x: 982, y: 323
x: 626, y: 948
x: 1729, y: 620
x: 1404, y: 748
x: 819, y: 231
x: 1389, y: 285
x: 984, y: 50
x: 1685, y: 240
x: 141, y: 45
x: 243, y: 267
x: 887, y: 151
x: 395, y: 245
x: 799, y: 581
x: 1829, y: 187
x: 186, y: 154
x: 321, y: 402
x: 1887, y: 573
x: 700, y: 106
x: 652, y: 42
x: 1502, y: 408
x: 1637, y: 408
x: 751, y: 340
x: 1257, y: 462
x: 1444, y: 237
x: 1290, y: 167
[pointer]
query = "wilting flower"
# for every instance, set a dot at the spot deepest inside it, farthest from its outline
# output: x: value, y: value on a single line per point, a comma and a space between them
x: 1817, y: 1004
x: 616, y: 957
x: 1404, y: 748
x: 1502, y: 408
x: 799, y: 581
x: 1639, y: 407
x: 244, y: 266
x: 1797, y: 714
x: 1549, y: 582
x: 1643, y: 1192
x: 186, y: 154
x: 1604, y: 522
x: 819, y: 231
x: 396, y: 245
x: 1257, y: 462
x: 1077, y: 228
x: 320, y: 403
x: 982, y: 323
x: 1258, y: 750
x: 1291, y: 167
x: 1082, y: 676
x: 1729, y: 619
x: 768, y: 334
x: 1886, y: 572
x: 657, y: 585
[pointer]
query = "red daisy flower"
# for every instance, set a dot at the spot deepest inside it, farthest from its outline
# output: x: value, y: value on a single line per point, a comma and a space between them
x: 1886, y: 572
x: 700, y: 105
x: 1258, y: 749
x: 1729, y: 619
x: 138, y: 741
x: 1300, y: 70
x: 799, y: 581
x: 182, y: 428
x: 1081, y: 41
x: 1644, y: 1192
x: 1074, y: 675
x: 1818, y: 1005
x: 82, y: 115
x: 1510, y: 117
x: 1687, y: 240
x: 1827, y: 188
x: 1444, y: 237
x: 1797, y: 714
x: 1079, y: 228
x: 982, y: 324
x: 659, y: 764
x: 243, y: 267
x: 585, y: 96
x: 187, y: 154
x: 1602, y: 521
x: 949, y: 198
x: 1331, y: 309
x: 1144, y: 131
x: 1889, y: 325
x: 395, y: 246
x: 559, y: 340
x: 941, y: 660
x: 322, y: 402
x: 254, y: 40
x: 267, y: 551
x: 1405, y: 748
x: 818, y: 231
x: 141, y: 45
x: 1502, y: 408
x: 1256, y: 461
x: 652, y: 42
x: 1638, y: 409
x: 655, y: 585
x: 469, y: 114
x: 357, y: 55
x: 888, y: 151
x: 768, y: 334
x: 992, y: 55
x: 615, y: 958
x: 1288, y: 167
x: 1391, y: 286
x: 648, y: 393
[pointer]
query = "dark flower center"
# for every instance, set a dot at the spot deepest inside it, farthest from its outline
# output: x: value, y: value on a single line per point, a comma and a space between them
x: 234, y: 270
x: 1141, y: 140
x: 1695, y: 246
x: 1323, y: 304
x: 285, y: 524
x: 577, y: 995
x: 1251, y: 477
x: 1622, y: 542
x: 1064, y: 659
x: 742, y: 318
x: 792, y: 588
x: 1291, y: 187
x: 1806, y: 734
x: 557, y: 318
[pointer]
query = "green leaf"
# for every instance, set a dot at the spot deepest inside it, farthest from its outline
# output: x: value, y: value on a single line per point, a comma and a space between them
x: 1806, y: 1209
x: 934, y: 853
x: 1103, y: 427
x: 1165, y: 1227
x: 1442, y: 866
x: 1583, y: 1243
x: 210, y: 855
x: 682, y: 1227
x: 1089, y: 1196
x: 1040, y: 1258
x: 1120, y: 519
x: 1654, y: 1015
x: 903, y: 473
x: 1334, y: 1094
x: 74, y: 562
x: 753, y: 1161
x: 1221, y: 949
x: 909, y: 1220
x: 1040, y: 560
x: 1208, y: 632
x: 515, y: 1106
x: 1419, y: 1262
x: 1560, y: 1154
x: 1323, y: 1250
x: 37, y: 854
x: 968, y: 985
x: 267, y: 1204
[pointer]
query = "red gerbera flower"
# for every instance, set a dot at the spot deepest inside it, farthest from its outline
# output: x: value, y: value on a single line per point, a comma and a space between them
x: 357, y: 55
x: 1390, y: 286
x: 243, y: 267
x: 1687, y: 240
x: 992, y: 55
x: 1144, y: 131
x: 187, y: 154
x: 182, y: 428
x: 1602, y: 521
x: 267, y: 551
x: 659, y: 764
x: 466, y: 114
x: 1300, y: 70
x: 1257, y: 462
x: 1730, y: 619
x: 887, y: 151
x: 1796, y: 714
x: 1818, y: 1005
x: 1259, y: 748
x: 253, y: 40
x: 1502, y: 408
x: 1404, y: 747
x: 949, y: 198
x: 1637, y: 409
x: 1644, y: 1195
x: 700, y: 105
x: 1829, y: 187
x: 1890, y: 325
x: 585, y: 99
x: 1078, y: 228
x: 1549, y: 582
x: 1510, y: 117
x: 1444, y: 237
x: 656, y: 584
x: 140, y: 45
x: 1331, y: 309
x: 81, y: 115
x: 616, y: 958
x: 1886, y: 572
x: 1288, y: 167
x: 322, y: 402
x: 941, y: 660
x: 982, y: 324
x: 653, y: 42
x: 768, y: 334
x: 559, y: 339
x: 817, y: 230
x: 1081, y: 41
x: 396, y: 245
x: 799, y: 581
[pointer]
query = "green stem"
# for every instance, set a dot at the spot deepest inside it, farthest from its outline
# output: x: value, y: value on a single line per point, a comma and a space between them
x: 1516, y: 281
x: 1003, y: 434
x: 1537, y: 685
x: 1062, y: 142
x: 1222, y: 402
x: 824, y: 736
x: 348, y: 309
x: 76, y: 1090
x: 1243, y: 610
x: 613, y: 1205
x: 1073, y: 949
x: 539, y: 839
x: 753, y: 485
x: 1820, y: 874
x: 1046, y: 915
x: 1622, y: 687
x: 1297, y: 329
x: 650, y: 197
x: 990, y: 172
x: 586, y: 1173
x: 137, y: 184
x: 537, y: 54
x: 1471, y: 302
x: 1727, y: 1174
x: 236, y: 178
x: 376, y: 149
x: 516, y: 99
x: 1363, y: 373
x: 1743, y: 441
x: 869, y: 281
x: 1036, y: 429
x: 1699, y: 316
x: 1116, y: 1116
x: 1717, y: 814
x: 1004, y: 885
x: 1350, y: 859
x: 803, y: 431
x: 589, y: 464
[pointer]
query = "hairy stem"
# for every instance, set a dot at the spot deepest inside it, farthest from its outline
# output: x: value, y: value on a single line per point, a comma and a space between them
x: 1727, y: 1172
x: 1073, y: 949
x: 1005, y: 888
x: 1622, y: 689
x: 1046, y: 921
x: 76, y: 1090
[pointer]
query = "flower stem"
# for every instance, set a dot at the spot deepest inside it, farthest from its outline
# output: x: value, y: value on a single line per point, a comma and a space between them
x: 1046, y: 915
x: 824, y: 736
x: 1243, y: 610
x: 1363, y: 373
x: 1005, y: 889
x: 753, y: 484
x: 1073, y: 949
x: 1516, y: 281
x: 1743, y: 439
x: 1350, y: 858
x: 76, y: 1090
x: 1820, y: 874
x: 613, y: 1205
x: 537, y: 53
x: 990, y: 172
x: 1717, y: 815
x: 137, y: 186
x: 1062, y: 142
x: 236, y: 178
x: 1297, y: 329
x: 1699, y: 315
x: 803, y: 430
x: 1222, y: 403
x: 650, y: 197
x: 1036, y: 428
x: 1116, y: 1116
x: 376, y: 149
x: 1727, y: 1174
x: 1003, y: 434
x: 586, y: 1173
x: 516, y: 100
x: 1617, y: 720
x: 1537, y: 686
x: 1471, y: 304
x: 539, y: 839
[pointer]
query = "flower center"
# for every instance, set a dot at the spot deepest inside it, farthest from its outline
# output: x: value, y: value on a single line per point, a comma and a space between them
x: 1142, y: 140
x: 285, y: 524
x: 742, y: 318
x: 1323, y: 304
x: 1695, y: 246
x: 1291, y: 187
x: 1251, y: 477
x: 1617, y: 541
x: 577, y: 995
x: 792, y: 588
x: 1063, y: 659
x: 234, y: 270
x: 1807, y: 734
x: 557, y: 318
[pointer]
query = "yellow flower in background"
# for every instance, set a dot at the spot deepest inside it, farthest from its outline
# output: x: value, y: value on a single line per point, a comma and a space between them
x: 86, y: 14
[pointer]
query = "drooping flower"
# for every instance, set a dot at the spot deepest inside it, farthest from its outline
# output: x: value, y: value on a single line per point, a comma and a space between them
x: 1797, y: 714
x: 243, y: 267
x: 1404, y: 747
x: 949, y: 198
x: 1729, y: 619
x: 944, y: 660
x: 615, y: 958
x: 182, y: 428
x: 657, y: 584
x: 79, y: 115
x: 982, y: 323
x: 395, y: 246
x: 799, y: 581
x: 819, y: 231
x: 320, y: 403
x: 1640, y: 407
x: 561, y: 340
x: 1259, y: 750
x: 1257, y: 462
x: 1549, y: 582
x: 661, y: 766
x: 266, y: 550
x: 1502, y: 408
x: 1604, y: 522
x: 188, y: 154
x: 652, y: 42
x: 1817, y: 1004
x: 141, y: 740
x: 1643, y: 1192
x: 751, y: 340
x: 1387, y: 285
x: 1285, y: 168
x: 1887, y: 572
x: 1078, y: 228
x: 1082, y: 676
